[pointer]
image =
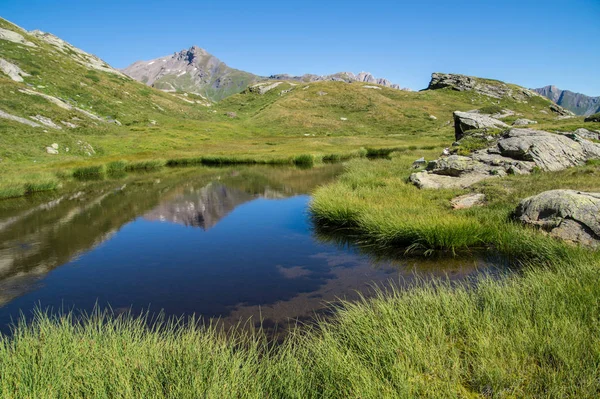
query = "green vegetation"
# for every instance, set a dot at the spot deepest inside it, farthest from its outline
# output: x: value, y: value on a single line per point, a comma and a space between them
x: 89, y: 172
x: 534, y: 335
x: 373, y: 202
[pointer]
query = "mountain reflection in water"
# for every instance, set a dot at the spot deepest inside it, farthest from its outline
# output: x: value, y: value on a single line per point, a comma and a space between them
x: 251, y: 250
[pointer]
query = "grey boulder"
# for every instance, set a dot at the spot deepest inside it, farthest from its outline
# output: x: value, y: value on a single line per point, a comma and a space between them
x: 465, y: 121
x: 523, y: 122
x: 573, y: 216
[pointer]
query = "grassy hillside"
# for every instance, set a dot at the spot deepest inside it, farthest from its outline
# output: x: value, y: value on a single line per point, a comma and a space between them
x: 121, y: 119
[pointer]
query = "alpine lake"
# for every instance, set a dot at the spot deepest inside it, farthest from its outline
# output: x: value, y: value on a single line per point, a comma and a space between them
x: 232, y: 245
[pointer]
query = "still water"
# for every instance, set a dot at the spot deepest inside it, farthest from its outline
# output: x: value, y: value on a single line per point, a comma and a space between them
x: 233, y: 244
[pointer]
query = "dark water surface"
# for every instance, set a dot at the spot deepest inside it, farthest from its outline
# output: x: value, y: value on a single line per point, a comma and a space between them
x: 229, y: 243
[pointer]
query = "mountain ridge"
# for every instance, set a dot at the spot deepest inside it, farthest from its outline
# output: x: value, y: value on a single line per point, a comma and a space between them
x: 579, y: 103
x: 197, y: 71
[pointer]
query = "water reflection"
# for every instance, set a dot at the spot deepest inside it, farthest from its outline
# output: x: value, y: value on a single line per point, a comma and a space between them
x: 231, y: 243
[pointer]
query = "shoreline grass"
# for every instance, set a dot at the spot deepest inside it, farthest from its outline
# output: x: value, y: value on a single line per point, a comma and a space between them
x: 373, y: 202
x: 522, y: 336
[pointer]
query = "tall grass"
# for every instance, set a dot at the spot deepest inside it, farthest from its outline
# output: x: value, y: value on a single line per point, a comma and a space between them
x: 116, y: 168
x: 535, y: 335
x: 94, y: 172
x: 373, y: 202
x: 147, y: 165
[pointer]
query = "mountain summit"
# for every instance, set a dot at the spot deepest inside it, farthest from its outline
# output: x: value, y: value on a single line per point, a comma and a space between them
x: 193, y: 70
x: 579, y: 103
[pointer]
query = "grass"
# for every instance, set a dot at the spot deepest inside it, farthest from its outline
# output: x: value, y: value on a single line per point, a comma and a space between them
x: 147, y: 165
x: 373, y: 202
x: 89, y: 172
x: 534, y: 335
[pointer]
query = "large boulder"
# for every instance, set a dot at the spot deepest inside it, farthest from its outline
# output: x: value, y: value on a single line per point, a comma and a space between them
x: 549, y: 151
x: 465, y: 121
x: 517, y: 151
x: 593, y: 118
x: 573, y: 216
x: 587, y: 134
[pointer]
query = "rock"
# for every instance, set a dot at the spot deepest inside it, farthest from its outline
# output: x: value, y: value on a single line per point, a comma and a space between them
x: 13, y: 71
x: 321, y: 93
x: 54, y: 145
x: 6, y: 115
x: 69, y: 124
x: 548, y: 151
x: 494, y: 89
x: 51, y: 150
x: 587, y: 134
x: 570, y: 215
x: 517, y: 151
x: 232, y: 114
x: 427, y: 180
x: 372, y: 87
x: 523, y: 122
x: 468, y: 201
x: 593, y: 118
x: 465, y: 121
x: 432, y: 117
x: 343, y: 119
x: 14, y: 37
x: 419, y: 163
x: 560, y: 111
x: 46, y: 121
x: 505, y: 113
x: 264, y: 87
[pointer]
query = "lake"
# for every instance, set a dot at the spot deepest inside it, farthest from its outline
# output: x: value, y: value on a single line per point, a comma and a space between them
x: 232, y: 243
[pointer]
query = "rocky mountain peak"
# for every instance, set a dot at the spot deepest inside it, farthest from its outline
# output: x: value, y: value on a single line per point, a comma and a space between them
x: 191, y: 55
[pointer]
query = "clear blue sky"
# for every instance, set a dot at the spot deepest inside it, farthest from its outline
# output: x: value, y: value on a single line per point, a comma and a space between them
x: 528, y: 42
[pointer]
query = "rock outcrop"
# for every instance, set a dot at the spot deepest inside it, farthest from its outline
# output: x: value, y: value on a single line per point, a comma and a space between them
x: 593, y: 118
x: 347, y: 77
x: 15, y: 37
x: 570, y: 215
x: 516, y: 151
x: 523, y: 122
x: 487, y: 87
x: 587, y: 134
x: 13, y: 71
x: 465, y: 121
x: 76, y: 54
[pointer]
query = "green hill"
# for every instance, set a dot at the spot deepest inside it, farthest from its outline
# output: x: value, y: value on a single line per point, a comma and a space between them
x: 53, y: 93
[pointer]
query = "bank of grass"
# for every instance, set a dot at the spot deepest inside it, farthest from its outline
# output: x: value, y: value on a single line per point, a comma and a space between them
x: 373, y: 202
x: 30, y: 183
x: 533, y: 335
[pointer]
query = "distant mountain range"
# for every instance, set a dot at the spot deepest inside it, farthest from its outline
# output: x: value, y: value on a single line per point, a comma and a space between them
x: 196, y: 71
x: 579, y: 103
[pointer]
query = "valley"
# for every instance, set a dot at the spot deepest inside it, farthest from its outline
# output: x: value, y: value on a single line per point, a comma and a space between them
x: 182, y: 228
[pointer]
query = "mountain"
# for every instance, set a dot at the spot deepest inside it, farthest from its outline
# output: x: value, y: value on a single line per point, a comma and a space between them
x: 199, y: 72
x: 194, y: 71
x: 579, y: 103
x: 348, y: 77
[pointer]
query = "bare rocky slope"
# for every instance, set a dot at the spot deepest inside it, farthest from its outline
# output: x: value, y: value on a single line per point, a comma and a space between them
x: 193, y: 70
x: 197, y: 71
x: 579, y: 103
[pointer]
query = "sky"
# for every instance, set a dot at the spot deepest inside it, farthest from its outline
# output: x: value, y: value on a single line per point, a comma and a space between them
x: 532, y: 43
